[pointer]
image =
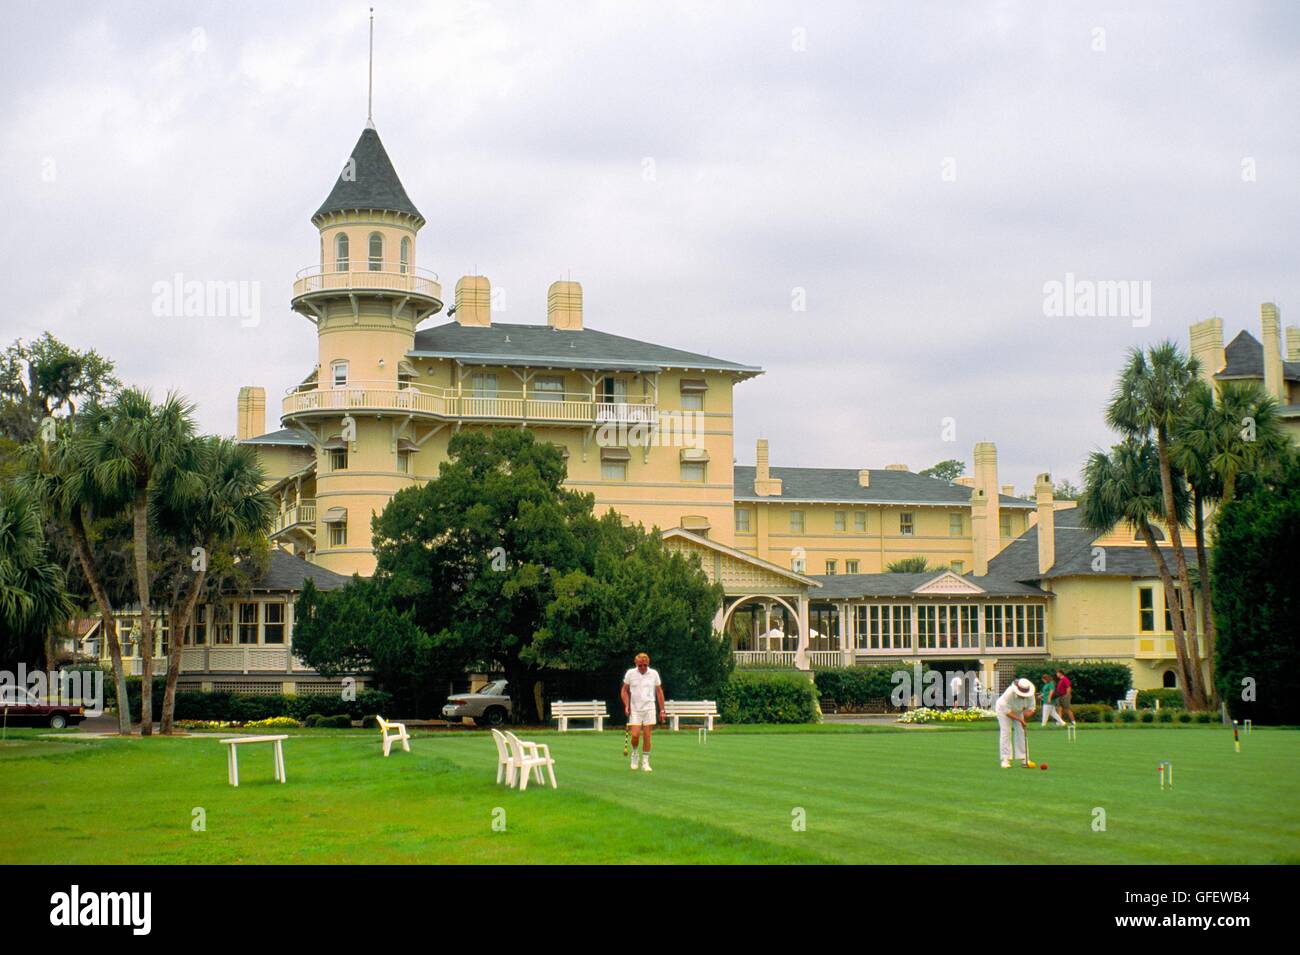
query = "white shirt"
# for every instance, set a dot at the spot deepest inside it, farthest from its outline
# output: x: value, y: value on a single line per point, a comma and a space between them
x: 641, y: 687
x: 1012, y: 702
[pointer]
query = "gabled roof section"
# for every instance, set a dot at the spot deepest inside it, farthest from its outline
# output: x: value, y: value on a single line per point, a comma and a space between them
x: 1244, y: 358
x: 368, y: 181
x: 840, y: 485
x: 681, y: 534
x: 544, y: 346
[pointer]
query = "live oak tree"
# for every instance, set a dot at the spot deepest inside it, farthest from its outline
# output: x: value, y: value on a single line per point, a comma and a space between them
x: 948, y: 470
x: 496, y: 565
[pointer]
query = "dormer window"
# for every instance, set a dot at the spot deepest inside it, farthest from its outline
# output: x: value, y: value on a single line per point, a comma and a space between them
x: 376, y: 252
x: 406, y: 255
x: 341, y: 252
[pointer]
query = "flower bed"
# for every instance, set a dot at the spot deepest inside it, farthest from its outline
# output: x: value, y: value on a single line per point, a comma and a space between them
x: 956, y: 715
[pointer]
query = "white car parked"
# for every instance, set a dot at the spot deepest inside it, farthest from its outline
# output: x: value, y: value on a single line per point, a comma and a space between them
x: 490, y: 706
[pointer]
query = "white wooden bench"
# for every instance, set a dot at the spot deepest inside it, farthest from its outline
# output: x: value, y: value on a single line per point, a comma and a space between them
x: 393, y: 733
x: 706, y: 710
x: 586, y: 710
x: 232, y: 755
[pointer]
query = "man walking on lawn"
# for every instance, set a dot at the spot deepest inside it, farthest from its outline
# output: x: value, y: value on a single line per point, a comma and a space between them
x: 1060, y: 697
x: 642, y: 689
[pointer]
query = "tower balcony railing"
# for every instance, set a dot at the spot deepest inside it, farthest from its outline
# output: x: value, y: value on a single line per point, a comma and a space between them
x: 302, y: 514
x: 361, y: 275
x: 448, y: 403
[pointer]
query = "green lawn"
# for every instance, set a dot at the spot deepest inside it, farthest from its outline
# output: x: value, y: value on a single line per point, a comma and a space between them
x: 910, y: 795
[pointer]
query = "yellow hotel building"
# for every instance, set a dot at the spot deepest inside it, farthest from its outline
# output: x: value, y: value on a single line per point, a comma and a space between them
x: 648, y: 429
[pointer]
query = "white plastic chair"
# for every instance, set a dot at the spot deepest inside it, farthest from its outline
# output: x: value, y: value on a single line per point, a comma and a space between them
x: 393, y: 733
x: 530, y: 758
x: 1129, y: 702
x: 505, y: 762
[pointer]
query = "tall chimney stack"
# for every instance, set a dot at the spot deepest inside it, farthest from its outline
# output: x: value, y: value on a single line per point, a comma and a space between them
x: 764, y: 484
x: 986, y: 485
x: 1046, y: 523
x: 250, y: 412
x: 474, y: 300
x: 1293, y: 344
x: 1271, y: 328
x: 564, y: 306
x: 1207, y: 348
x: 979, y: 518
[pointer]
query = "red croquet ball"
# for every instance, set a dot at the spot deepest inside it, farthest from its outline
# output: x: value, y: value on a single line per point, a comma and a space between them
x: 1042, y: 765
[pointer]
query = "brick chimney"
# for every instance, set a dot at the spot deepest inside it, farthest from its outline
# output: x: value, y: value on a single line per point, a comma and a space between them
x: 250, y: 412
x: 1271, y: 329
x: 1046, y: 523
x: 979, y: 518
x: 474, y: 300
x: 564, y: 306
x: 1293, y: 344
x: 986, y: 486
x: 764, y: 484
x: 864, y: 478
x: 1207, y: 348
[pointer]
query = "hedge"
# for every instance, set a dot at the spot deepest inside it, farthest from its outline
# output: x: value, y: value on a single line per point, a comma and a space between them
x: 768, y: 696
x: 1147, y: 698
x: 854, y: 688
x: 244, y: 708
x: 1091, y: 681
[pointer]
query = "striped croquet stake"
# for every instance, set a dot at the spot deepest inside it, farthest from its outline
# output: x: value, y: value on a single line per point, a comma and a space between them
x: 627, y: 740
x: 1236, y: 736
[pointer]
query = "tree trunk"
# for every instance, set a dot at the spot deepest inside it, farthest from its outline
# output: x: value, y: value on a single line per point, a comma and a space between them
x: 181, y: 612
x: 140, y: 546
x: 77, y: 526
x: 1165, y: 578
x: 1186, y: 609
x: 1207, y: 599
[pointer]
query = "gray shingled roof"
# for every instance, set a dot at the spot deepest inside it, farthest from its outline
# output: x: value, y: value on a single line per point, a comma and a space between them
x: 286, y: 572
x: 1244, y: 358
x: 1074, y: 557
x: 544, y: 346
x: 841, y: 485
x: 848, y: 586
x: 283, y: 436
x: 372, y: 182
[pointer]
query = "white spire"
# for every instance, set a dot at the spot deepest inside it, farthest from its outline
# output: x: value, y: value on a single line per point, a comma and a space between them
x: 370, y: 91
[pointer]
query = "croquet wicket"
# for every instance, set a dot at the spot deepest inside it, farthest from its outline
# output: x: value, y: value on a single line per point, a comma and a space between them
x: 1071, y: 732
x: 704, y: 734
x: 1248, y: 726
x: 1161, y: 770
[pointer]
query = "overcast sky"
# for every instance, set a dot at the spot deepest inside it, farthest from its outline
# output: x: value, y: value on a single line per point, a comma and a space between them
x: 919, y: 171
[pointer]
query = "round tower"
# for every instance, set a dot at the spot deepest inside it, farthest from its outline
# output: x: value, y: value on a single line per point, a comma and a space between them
x: 365, y: 295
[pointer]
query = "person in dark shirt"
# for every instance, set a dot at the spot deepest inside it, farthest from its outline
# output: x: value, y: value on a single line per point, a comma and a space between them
x: 1060, y: 695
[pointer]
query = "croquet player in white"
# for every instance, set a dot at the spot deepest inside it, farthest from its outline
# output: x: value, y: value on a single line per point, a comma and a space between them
x: 1012, y: 708
x: 642, y: 690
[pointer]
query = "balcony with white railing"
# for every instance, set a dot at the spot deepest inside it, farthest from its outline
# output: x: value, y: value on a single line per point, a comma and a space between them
x: 300, y: 516
x: 451, y: 404
x: 360, y: 276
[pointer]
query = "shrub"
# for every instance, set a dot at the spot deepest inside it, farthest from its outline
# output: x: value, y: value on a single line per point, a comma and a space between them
x: 1092, y: 712
x: 853, y: 689
x: 1092, y: 681
x: 1165, y: 716
x: 1147, y: 716
x: 312, y: 719
x: 1184, y: 716
x: 370, y: 723
x: 235, y: 707
x: 1204, y: 717
x: 1128, y: 716
x: 768, y: 697
x: 1170, y: 698
x: 1108, y: 715
x: 341, y: 722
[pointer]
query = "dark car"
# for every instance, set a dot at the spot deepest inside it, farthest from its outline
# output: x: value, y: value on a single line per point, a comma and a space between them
x: 490, y: 706
x: 20, y: 708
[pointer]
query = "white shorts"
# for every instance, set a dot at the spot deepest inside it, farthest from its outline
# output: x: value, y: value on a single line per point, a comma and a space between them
x: 642, y: 717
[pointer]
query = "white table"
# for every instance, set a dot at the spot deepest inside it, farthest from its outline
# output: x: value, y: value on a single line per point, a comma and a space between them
x: 232, y: 755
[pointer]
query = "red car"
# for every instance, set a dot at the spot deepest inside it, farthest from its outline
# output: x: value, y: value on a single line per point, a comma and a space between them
x: 20, y: 708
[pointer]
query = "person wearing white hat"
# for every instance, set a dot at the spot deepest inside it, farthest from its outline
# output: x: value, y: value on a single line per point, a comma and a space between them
x: 1012, y: 708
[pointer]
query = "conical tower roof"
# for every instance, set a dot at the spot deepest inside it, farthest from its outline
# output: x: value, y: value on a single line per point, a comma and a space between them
x: 369, y: 181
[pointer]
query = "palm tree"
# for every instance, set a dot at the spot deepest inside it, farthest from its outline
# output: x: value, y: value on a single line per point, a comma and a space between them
x: 1148, y: 399
x: 57, y: 474
x: 1215, y: 441
x: 231, y: 505
x: 1125, y: 486
x: 32, y: 595
x: 129, y: 443
x: 911, y: 565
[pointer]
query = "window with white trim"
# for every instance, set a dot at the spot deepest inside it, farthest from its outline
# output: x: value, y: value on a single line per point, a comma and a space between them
x: 906, y: 524
x: 742, y: 520
x: 796, y: 522
x: 376, y: 252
